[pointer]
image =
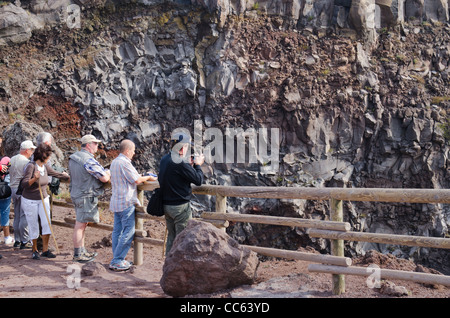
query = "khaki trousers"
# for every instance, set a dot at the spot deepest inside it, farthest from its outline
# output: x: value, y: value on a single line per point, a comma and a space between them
x: 177, y: 217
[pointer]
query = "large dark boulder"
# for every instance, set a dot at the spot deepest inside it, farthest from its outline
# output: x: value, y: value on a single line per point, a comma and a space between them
x: 204, y: 260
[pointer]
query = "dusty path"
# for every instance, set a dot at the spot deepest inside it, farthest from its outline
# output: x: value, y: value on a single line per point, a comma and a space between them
x: 22, y: 277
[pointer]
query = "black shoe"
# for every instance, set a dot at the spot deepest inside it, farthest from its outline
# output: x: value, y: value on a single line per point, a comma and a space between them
x: 17, y: 244
x: 36, y: 255
x: 48, y: 254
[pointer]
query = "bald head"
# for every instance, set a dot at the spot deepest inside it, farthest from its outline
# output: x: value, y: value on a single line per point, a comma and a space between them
x: 127, y: 147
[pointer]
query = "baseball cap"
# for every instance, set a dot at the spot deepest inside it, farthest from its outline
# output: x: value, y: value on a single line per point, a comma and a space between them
x: 182, y: 138
x: 27, y: 144
x: 89, y: 138
x: 5, y: 161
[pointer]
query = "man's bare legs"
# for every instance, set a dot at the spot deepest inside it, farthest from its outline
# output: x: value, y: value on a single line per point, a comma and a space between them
x: 80, y: 253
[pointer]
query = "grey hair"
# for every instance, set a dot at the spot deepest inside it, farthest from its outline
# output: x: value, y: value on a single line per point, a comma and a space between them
x: 43, y: 137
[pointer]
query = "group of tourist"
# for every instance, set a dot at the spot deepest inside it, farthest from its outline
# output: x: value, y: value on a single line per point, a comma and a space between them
x: 28, y: 175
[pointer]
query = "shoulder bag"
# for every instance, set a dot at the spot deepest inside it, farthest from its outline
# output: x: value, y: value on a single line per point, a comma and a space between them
x: 155, y: 204
x: 5, y: 190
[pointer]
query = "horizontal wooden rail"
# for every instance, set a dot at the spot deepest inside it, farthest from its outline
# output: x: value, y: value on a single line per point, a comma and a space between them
x: 423, y: 278
x: 148, y: 186
x: 145, y: 240
x: 62, y: 223
x: 221, y: 224
x: 146, y: 216
x: 309, y: 257
x: 69, y: 204
x: 347, y: 194
x: 275, y: 220
x: 65, y: 204
x: 68, y: 222
x: 424, y: 241
x: 149, y: 240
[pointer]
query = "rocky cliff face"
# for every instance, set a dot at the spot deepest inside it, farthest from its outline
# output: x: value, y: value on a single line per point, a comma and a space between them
x: 359, y: 91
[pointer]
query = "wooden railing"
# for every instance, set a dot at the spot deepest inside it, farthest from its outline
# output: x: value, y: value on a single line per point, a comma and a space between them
x: 336, y: 196
x: 335, y: 229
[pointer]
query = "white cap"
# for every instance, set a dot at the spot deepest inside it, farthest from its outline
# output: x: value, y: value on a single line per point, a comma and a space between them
x: 89, y: 138
x: 27, y: 144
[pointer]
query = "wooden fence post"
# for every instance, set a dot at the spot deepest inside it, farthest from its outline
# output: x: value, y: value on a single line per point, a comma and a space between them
x: 139, y: 246
x: 337, y: 246
x: 221, y: 205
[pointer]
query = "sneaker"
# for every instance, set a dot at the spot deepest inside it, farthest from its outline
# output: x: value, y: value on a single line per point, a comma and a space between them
x: 82, y: 258
x: 26, y: 245
x: 9, y: 240
x: 17, y: 244
x: 121, y: 266
x: 36, y: 255
x: 48, y: 254
x: 90, y: 254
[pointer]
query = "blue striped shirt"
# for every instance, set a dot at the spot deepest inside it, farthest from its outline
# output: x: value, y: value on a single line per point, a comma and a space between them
x: 95, y: 168
x: 123, y: 183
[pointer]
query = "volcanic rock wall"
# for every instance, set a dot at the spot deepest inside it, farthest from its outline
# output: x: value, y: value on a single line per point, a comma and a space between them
x: 359, y: 91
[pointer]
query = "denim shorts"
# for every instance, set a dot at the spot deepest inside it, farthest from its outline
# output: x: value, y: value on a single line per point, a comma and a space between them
x: 86, y: 209
x: 5, y: 205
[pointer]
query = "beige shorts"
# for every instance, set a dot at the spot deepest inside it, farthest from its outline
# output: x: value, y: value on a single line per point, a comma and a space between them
x: 86, y: 209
